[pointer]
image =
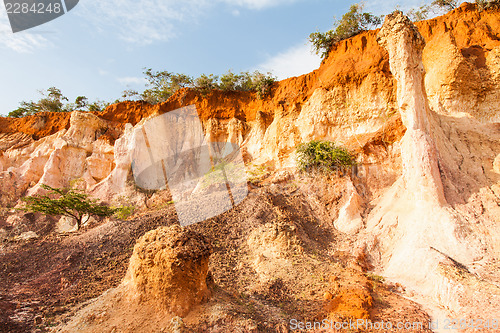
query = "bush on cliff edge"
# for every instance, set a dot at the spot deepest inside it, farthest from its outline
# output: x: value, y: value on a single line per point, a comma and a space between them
x: 352, y: 23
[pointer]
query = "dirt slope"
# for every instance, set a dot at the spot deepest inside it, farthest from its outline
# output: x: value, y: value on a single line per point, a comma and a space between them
x: 426, y: 193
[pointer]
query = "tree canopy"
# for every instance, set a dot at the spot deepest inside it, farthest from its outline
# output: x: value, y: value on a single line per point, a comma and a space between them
x: 352, y: 23
x: 67, y: 202
x: 163, y: 84
x: 53, y: 100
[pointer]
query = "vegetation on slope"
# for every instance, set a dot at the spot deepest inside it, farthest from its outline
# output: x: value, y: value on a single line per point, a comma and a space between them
x: 54, y: 101
x: 163, y: 84
x: 356, y: 21
x: 68, y: 202
x: 352, y: 23
x: 324, y: 157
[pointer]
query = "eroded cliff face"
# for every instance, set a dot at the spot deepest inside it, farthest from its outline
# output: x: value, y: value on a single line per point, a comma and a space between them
x: 413, y: 219
x: 419, y: 105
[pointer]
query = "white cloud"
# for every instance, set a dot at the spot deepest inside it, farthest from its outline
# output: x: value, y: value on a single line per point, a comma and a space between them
x: 22, y: 42
x: 131, y: 80
x: 138, y: 22
x: 295, y: 61
x: 384, y: 7
x: 147, y: 21
x: 257, y: 4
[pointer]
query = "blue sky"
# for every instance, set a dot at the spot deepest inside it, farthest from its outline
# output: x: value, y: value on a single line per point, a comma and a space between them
x: 100, y: 48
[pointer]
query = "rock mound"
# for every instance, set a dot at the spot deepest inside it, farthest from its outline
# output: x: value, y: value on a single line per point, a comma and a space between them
x: 169, y: 268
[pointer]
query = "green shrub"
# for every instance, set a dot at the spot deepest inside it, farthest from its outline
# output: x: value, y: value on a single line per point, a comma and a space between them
x: 259, y: 82
x: 487, y: 4
x: 323, y: 156
x: 98, y: 106
x: 419, y: 14
x: 352, y: 23
x: 446, y: 4
x: 257, y: 173
x: 438, y: 6
x: 163, y: 205
x: 375, y: 277
x: 231, y: 81
x: 262, y: 83
x: 124, y: 212
x: 222, y: 173
x: 54, y: 101
x: 163, y: 85
x: 25, y: 109
x: 206, y: 83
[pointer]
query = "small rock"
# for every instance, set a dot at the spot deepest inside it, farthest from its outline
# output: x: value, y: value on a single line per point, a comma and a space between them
x: 177, y: 325
x: 38, y: 320
x: 327, y: 296
x: 496, y: 164
x: 14, y: 220
x: 3, y: 234
x: 59, y: 309
x: 281, y: 176
x: 27, y: 236
x: 89, y: 220
x: 66, y: 224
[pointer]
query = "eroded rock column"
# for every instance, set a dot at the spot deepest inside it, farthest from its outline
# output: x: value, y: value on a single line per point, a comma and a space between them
x: 420, y: 161
x: 168, y: 269
x: 414, y: 237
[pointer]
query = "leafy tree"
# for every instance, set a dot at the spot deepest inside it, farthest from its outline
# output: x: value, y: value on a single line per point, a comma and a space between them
x: 179, y: 81
x: 446, y: 4
x: 245, y: 81
x: 419, y: 14
x: 98, y: 106
x: 26, y: 109
x: 437, y: 6
x: 163, y: 85
x: 487, y: 4
x: 322, y: 42
x: 52, y: 101
x: 130, y: 95
x: 352, y: 23
x: 229, y: 81
x: 205, y: 83
x: 233, y: 82
x: 69, y: 202
x: 262, y: 83
x: 81, y: 102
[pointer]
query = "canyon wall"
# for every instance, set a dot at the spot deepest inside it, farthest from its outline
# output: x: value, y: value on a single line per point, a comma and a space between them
x: 418, y: 104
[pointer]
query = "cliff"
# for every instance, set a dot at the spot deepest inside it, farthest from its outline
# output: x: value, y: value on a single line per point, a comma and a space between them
x: 418, y: 104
